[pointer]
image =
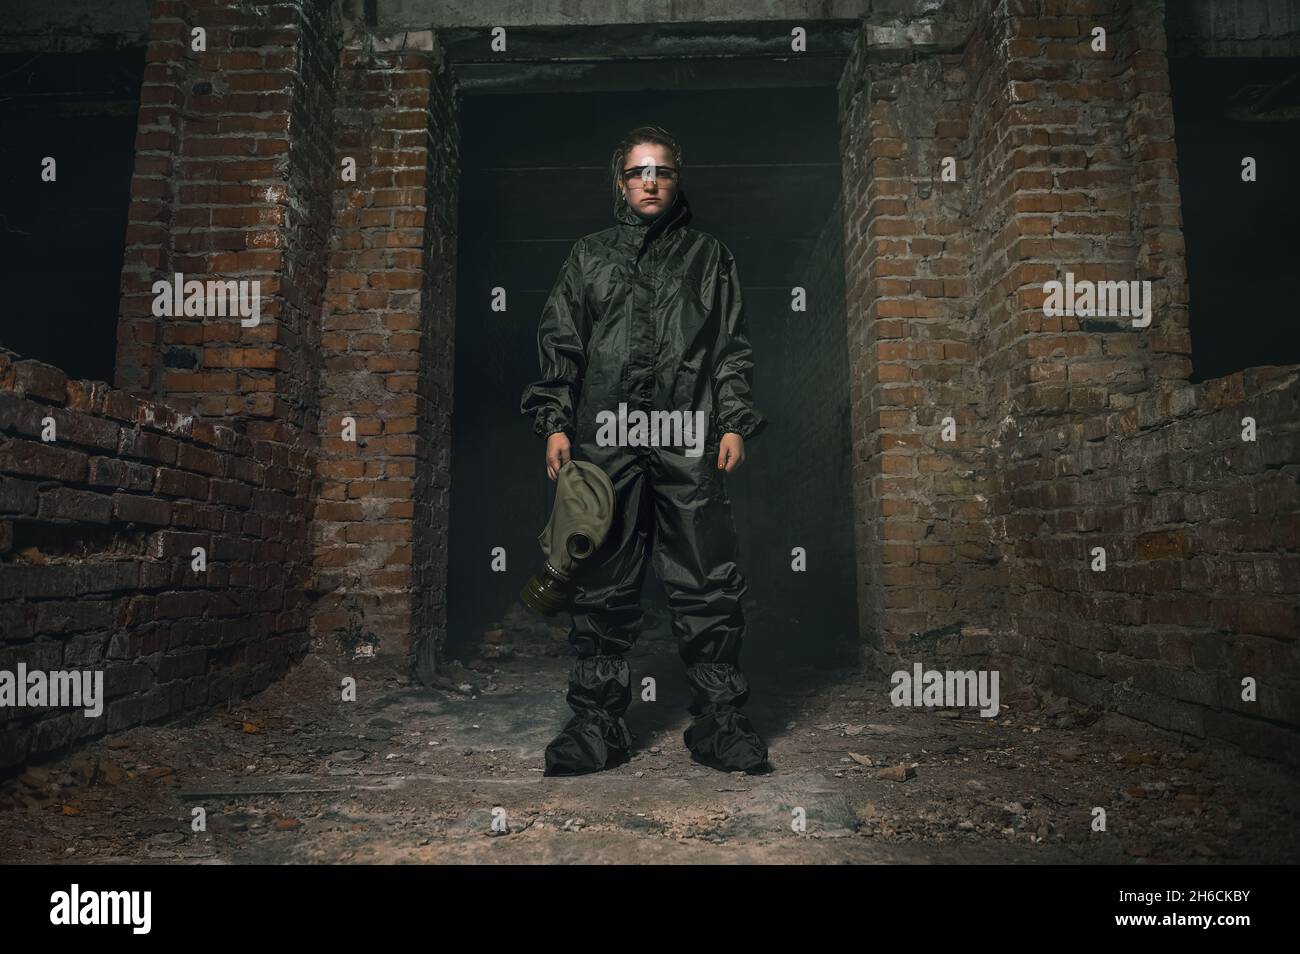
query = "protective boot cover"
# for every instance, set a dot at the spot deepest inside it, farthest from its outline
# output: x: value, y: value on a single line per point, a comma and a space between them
x: 596, y: 737
x: 720, y: 735
x: 580, y: 519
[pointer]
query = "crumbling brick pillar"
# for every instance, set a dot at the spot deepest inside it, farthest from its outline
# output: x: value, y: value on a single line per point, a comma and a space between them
x: 380, y: 540
x: 1086, y: 142
x: 1082, y: 133
x: 926, y: 565
x: 232, y: 180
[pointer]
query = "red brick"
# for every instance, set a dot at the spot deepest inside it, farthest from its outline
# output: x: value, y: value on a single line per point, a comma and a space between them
x: 43, y: 460
x: 61, y: 503
x: 130, y: 508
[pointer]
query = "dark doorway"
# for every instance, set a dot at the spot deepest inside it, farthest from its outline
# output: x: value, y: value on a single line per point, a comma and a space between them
x: 1241, y: 255
x: 61, y: 242
x: 763, y: 177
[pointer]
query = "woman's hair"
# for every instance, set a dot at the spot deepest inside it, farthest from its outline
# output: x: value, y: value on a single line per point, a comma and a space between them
x: 642, y: 134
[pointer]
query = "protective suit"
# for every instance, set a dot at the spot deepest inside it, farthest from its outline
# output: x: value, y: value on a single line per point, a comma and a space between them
x: 649, y: 314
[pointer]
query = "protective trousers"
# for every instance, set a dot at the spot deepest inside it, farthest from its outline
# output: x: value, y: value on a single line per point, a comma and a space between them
x: 673, y: 509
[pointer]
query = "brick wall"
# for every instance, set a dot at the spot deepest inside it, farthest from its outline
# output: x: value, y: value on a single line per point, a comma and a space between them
x: 1072, y: 432
x: 1085, y: 145
x: 1201, y: 532
x: 97, y: 532
x: 926, y: 565
x: 99, y: 525
x: 1096, y: 440
x: 1099, y: 442
x: 238, y: 161
x: 380, y: 536
x: 233, y: 153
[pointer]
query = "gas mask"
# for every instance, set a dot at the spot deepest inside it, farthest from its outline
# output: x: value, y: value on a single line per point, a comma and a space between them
x: 580, y: 519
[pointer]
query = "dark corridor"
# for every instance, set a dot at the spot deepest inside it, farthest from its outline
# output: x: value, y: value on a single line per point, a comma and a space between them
x: 763, y: 176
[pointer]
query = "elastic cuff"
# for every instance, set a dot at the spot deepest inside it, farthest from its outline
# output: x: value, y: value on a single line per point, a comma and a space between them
x: 747, y: 429
x: 600, y: 682
x: 716, y: 685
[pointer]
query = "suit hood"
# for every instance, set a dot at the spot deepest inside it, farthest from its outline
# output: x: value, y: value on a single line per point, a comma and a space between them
x: 674, y: 217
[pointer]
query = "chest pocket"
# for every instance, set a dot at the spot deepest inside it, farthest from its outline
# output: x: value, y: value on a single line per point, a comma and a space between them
x: 681, y: 294
x: 607, y: 288
x: 681, y: 287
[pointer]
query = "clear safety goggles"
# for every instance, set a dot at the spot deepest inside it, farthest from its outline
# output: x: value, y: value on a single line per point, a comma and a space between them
x: 649, y: 173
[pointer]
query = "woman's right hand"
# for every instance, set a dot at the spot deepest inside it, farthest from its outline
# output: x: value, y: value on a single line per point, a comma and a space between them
x: 557, y: 453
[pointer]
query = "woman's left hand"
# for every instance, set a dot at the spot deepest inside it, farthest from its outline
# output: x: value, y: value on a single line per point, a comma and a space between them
x: 731, y: 452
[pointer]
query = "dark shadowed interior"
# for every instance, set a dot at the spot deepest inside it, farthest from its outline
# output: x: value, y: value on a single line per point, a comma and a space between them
x: 1241, y: 258
x: 61, y: 241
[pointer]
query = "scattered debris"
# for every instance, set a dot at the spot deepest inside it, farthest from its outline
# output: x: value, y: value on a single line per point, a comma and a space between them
x: 388, y: 779
x: 897, y: 773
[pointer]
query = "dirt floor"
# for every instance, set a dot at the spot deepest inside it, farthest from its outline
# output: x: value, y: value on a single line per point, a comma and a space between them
x: 454, y: 774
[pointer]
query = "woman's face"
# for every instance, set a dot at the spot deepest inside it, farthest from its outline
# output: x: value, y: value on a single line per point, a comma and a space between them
x: 648, y: 196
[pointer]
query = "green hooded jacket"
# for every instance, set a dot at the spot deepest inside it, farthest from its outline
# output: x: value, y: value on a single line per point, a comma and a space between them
x: 649, y: 314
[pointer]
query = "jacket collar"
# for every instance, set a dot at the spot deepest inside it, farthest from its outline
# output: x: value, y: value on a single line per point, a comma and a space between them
x: 676, y: 217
